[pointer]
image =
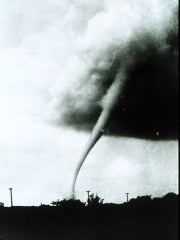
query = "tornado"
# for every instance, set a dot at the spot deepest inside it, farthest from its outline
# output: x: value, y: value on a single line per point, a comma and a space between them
x: 108, y: 103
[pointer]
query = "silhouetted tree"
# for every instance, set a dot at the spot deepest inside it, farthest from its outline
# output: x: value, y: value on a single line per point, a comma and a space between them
x: 44, y: 205
x: 94, y: 200
x: 67, y: 203
x: 170, y: 196
x: 141, y: 200
x: 56, y: 203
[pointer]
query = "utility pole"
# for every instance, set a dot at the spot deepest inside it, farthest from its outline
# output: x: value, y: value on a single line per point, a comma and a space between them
x: 127, y: 197
x: 10, y: 189
x: 88, y: 196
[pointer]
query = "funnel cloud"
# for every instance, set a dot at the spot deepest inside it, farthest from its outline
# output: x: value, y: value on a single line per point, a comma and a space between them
x: 129, y: 80
x: 72, y: 52
x: 108, y: 103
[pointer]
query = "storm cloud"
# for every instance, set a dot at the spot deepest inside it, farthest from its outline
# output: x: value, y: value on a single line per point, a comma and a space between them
x: 146, y: 52
x: 61, y: 56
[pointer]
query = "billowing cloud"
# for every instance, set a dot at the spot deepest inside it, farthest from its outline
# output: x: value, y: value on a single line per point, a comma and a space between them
x: 140, y: 40
x: 58, y: 56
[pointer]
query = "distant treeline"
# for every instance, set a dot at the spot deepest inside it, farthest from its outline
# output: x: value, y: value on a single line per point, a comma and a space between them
x: 142, y: 218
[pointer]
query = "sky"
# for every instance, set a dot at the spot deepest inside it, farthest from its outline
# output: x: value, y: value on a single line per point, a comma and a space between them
x: 48, y: 51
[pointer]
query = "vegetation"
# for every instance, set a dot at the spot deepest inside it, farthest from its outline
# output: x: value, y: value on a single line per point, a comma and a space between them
x: 142, y: 218
x: 94, y: 200
x: 68, y: 203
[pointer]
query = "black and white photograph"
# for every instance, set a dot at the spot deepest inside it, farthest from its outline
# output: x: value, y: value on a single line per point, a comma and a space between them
x: 89, y: 120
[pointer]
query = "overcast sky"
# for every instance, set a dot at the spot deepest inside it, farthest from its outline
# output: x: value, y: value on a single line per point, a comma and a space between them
x: 45, y: 46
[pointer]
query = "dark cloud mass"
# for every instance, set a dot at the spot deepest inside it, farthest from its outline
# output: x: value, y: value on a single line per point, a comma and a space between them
x: 147, y: 107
